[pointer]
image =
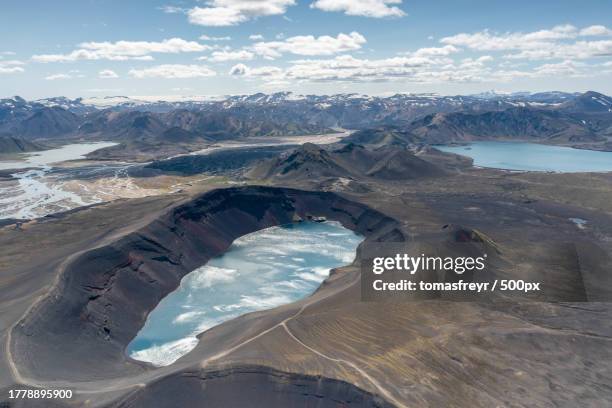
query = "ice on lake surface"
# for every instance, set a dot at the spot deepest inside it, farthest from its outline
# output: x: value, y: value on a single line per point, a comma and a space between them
x: 262, y: 270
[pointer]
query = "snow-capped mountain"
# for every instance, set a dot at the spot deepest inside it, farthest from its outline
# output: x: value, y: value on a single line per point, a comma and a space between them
x: 414, y: 102
x: 283, y: 112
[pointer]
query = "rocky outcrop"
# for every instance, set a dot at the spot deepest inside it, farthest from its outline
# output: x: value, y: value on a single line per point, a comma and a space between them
x: 216, y: 162
x: 11, y: 144
x: 312, y: 162
x: 384, y: 136
x: 259, y: 387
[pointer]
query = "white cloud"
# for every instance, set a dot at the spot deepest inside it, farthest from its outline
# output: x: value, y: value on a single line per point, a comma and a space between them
x: 55, y: 77
x: 265, y: 71
x: 223, y: 56
x: 596, y: 31
x: 349, y: 68
x: 208, y: 38
x: 310, y: 45
x: 559, y: 32
x: 7, y: 69
x: 85, y: 55
x: 565, y: 68
x: 107, y: 74
x: 256, y: 37
x: 12, y: 62
x: 173, y: 9
x: 231, y: 12
x: 11, y: 66
x: 366, y: 8
x: 438, y: 64
x: 577, y: 50
x: 558, y: 42
x: 139, y: 48
x: 123, y: 50
x: 173, y: 71
x: 411, y: 68
x: 215, y: 16
x: 435, y: 51
x: 239, y: 70
x: 486, y: 41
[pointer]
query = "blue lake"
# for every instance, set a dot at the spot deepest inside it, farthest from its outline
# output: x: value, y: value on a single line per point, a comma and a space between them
x: 262, y: 270
x: 533, y: 157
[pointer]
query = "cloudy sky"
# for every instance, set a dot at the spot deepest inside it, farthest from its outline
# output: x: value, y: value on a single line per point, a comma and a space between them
x: 168, y: 48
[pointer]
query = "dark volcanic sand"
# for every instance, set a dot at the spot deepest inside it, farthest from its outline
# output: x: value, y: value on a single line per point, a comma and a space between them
x: 332, y: 346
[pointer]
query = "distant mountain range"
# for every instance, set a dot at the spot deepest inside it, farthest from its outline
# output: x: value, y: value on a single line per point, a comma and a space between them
x: 521, y: 122
x: 325, y: 102
x: 552, y: 125
x: 174, y: 126
x: 481, y: 101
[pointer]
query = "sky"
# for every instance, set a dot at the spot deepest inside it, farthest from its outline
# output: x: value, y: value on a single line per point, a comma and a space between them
x: 165, y: 49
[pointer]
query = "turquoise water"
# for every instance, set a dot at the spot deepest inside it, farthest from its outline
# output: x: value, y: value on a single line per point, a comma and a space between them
x: 262, y: 270
x: 533, y: 157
